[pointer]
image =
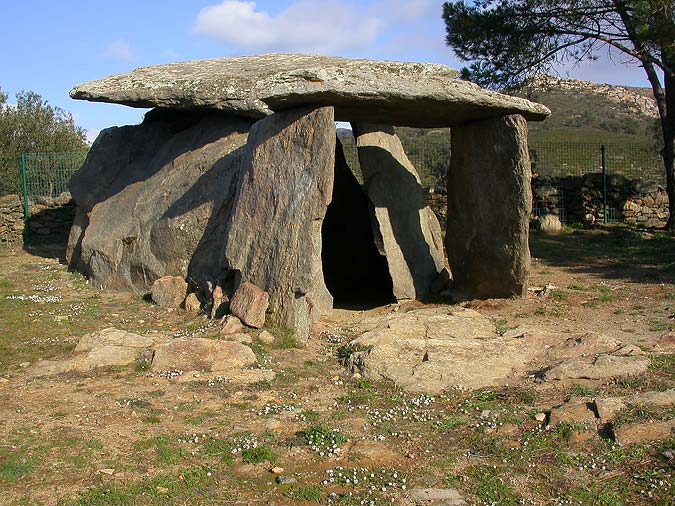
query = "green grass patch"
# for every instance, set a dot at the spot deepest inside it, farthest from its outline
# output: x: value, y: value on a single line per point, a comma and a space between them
x: 323, y: 438
x: 258, y: 455
x: 488, y: 486
x: 309, y: 493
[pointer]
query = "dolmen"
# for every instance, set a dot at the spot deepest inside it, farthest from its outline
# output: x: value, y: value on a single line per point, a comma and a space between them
x: 236, y: 177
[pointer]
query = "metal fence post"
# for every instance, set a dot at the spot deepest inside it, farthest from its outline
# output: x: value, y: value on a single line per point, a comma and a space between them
x: 604, y: 185
x: 24, y: 185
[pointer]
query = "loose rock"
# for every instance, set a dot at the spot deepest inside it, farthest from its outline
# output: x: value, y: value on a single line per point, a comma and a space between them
x: 250, y: 303
x: 169, y: 291
x: 192, y: 304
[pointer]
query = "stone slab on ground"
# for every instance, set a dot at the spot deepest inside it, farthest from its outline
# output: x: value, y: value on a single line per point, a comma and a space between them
x: 201, y: 354
x: 106, y: 348
x: 430, y: 350
x: 436, y: 497
x: 603, y: 367
x: 645, y: 432
x: 434, y: 349
x: 393, y: 93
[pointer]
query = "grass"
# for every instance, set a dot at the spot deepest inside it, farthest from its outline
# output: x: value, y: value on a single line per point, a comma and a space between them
x: 488, y: 486
x: 165, y: 452
x: 323, y: 438
x: 309, y: 493
x: 13, y: 467
x: 284, y: 338
x: 258, y: 455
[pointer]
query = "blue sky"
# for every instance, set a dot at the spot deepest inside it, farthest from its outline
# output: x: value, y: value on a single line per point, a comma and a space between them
x: 49, y: 46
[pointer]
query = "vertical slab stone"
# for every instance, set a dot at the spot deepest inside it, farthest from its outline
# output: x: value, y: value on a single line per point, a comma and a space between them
x: 410, y: 234
x: 489, y: 205
x: 274, y: 238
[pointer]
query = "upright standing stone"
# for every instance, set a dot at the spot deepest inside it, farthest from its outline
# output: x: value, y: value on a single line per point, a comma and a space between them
x: 489, y: 205
x: 410, y: 234
x: 274, y: 238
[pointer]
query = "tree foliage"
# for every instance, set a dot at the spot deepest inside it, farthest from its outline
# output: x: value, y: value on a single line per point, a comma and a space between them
x: 33, y: 125
x: 29, y: 126
x: 507, y: 41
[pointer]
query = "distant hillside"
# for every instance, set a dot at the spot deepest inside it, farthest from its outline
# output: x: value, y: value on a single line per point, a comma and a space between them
x: 591, y: 112
x: 581, y: 111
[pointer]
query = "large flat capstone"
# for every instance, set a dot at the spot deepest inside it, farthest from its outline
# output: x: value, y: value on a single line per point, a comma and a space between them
x: 393, y: 93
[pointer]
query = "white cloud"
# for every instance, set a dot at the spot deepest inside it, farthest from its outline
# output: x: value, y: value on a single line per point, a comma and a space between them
x: 119, y: 50
x: 328, y: 27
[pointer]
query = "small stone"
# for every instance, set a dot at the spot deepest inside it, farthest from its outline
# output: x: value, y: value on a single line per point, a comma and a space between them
x: 231, y: 325
x: 285, y: 480
x: 277, y: 470
x: 250, y: 304
x: 192, y: 304
x: 608, y: 408
x: 23, y: 365
x: 266, y: 337
x: 540, y: 417
x: 169, y: 291
x: 217, y: 310
x: 108, y: 472
x: 576, y: 411
x: 485, y: 413
x: 356, y: 376
x: 240, y: 338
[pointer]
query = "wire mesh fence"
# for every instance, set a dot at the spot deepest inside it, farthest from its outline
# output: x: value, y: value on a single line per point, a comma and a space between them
x: 568, y: 180
x: 34, y: 196
x: 47, y: 175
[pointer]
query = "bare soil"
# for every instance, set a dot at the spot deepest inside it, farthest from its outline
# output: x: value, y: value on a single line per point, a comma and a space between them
x: 127, y: 436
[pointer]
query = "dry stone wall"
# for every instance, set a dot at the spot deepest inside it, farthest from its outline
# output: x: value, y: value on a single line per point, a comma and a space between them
x: 11, y: 220
x: 49, y: 219
x: 580, y: 199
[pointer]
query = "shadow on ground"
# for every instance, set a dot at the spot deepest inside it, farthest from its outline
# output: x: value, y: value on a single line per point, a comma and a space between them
x: 614, y: 252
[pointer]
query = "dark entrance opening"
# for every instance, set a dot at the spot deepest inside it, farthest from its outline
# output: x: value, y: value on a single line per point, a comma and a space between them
x: 355, y: 272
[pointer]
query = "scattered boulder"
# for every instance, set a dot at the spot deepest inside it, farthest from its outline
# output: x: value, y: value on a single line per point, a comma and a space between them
x: 231, y: 325
x: 192, y: 303
x: 265, y: 337
x: 664, y: 398
x: 548, y: 224
x: 607, y: 408
x: 201, y: 354
x: 249, y: 304
x: 221, y: 303
x: 169, y: 291
x: 114, y: 337
x: 240, y: 338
